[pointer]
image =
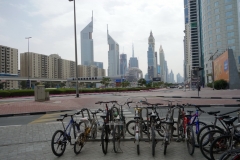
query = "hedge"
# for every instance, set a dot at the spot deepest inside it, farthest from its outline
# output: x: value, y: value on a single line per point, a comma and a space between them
x: 28, y: 92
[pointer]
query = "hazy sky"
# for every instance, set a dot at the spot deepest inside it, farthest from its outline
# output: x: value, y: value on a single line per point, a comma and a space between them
x: 51, y: 26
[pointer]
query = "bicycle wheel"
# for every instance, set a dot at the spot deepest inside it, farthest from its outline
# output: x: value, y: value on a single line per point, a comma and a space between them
x: 131, y: 127
x: 104, y: 139
x: 94, y: 131
x: 123, y: 129
x: 116, y: 138
x: 206, y: 141
x: 58, y: 143
x: 165, y: 148
x: 153, y: 141
x: 201, y: 125
x: 78, y: 145
x: 138, y: 149
x: 160, y: 128
x: 206, y: 129
x: 190, y: 140
x: 219, y: 146
x: 137, y: 137
x: 231, y: 155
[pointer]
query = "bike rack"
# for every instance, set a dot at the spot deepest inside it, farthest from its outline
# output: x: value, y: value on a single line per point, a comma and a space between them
x: 86, y: 109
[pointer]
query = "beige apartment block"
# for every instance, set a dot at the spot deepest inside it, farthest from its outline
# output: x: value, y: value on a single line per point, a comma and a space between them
x: 53, y: 69
x: 66, y: 69
x: 9, y: 64
x: 90, y: 71
x: 43, y: 66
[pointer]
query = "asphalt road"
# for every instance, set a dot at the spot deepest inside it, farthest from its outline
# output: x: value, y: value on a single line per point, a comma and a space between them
x: 129, y: 113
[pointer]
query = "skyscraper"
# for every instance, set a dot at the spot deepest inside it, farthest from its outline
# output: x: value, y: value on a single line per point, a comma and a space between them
x: 221, y: 30
x: 133, y: 61
x: 162, y: 64
x: 123, y: 64
x: 87, y: 44
x: 166, y: 72
x: 192, y: 39
x: 152, y: 70
x: 98, y: 64
x: 113, y: 56
x: 171, y: 77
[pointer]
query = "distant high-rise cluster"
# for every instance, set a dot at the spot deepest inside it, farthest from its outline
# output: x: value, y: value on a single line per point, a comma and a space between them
x: 133, y: 62
x: 155, y: 69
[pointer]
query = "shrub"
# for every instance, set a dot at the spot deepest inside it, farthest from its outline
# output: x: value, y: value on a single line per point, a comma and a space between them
x: 4, y: 93
x: 209, y: 85
x: 16, y: 93
x: 220, y: 84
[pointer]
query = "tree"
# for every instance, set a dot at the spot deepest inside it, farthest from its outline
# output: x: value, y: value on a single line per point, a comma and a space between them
x: 125, y: 84
x: 142, y: 82
x: 1, y: 85
x: 105, y: 81
x: 23, y: 84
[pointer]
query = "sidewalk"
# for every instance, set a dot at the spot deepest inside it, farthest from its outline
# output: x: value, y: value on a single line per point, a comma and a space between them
x: 34, y: 142
x: 13, y: 106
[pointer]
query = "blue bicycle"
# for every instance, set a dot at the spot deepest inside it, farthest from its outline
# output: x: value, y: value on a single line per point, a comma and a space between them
x: 61, y: 137
x: 190, y: 123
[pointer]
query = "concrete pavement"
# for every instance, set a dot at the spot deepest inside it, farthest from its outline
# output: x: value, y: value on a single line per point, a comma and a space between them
x: 33, y: 142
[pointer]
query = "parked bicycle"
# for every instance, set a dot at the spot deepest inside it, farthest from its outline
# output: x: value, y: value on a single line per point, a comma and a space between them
x: 212, y: 132
x: 61, y: 137
x: 90, y: 131
x: 228, y: 141
x: 119, y: 130
x: 108, y: 124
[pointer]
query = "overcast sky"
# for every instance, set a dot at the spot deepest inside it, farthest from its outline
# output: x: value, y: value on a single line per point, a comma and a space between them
x: 51, y: 26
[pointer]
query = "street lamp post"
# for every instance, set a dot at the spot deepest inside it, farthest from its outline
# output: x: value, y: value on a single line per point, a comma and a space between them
x: 77, y: 91
x: 29, y: 84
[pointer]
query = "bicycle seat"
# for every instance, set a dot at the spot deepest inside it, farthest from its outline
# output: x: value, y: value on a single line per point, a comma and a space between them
x: 230, y: 120
x: 94, y: 112
x: 213, y: 112
x: 137, y: 117
x: 221, y: 116
x: 190, y: 112
x: 169, y: 122
x: 60, y: 119
x: 83, y: 119
x: 103, y: 116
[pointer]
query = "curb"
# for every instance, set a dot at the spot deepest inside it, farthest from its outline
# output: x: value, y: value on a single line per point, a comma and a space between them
x: 217, y: 105
x: 45, y: 112
x: 31, y: 113
x: 201, y: 97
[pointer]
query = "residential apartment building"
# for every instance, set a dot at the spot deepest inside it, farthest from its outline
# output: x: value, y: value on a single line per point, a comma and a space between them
x: 9, y: 64
x: 43, y: 66
x: 90, y: 71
